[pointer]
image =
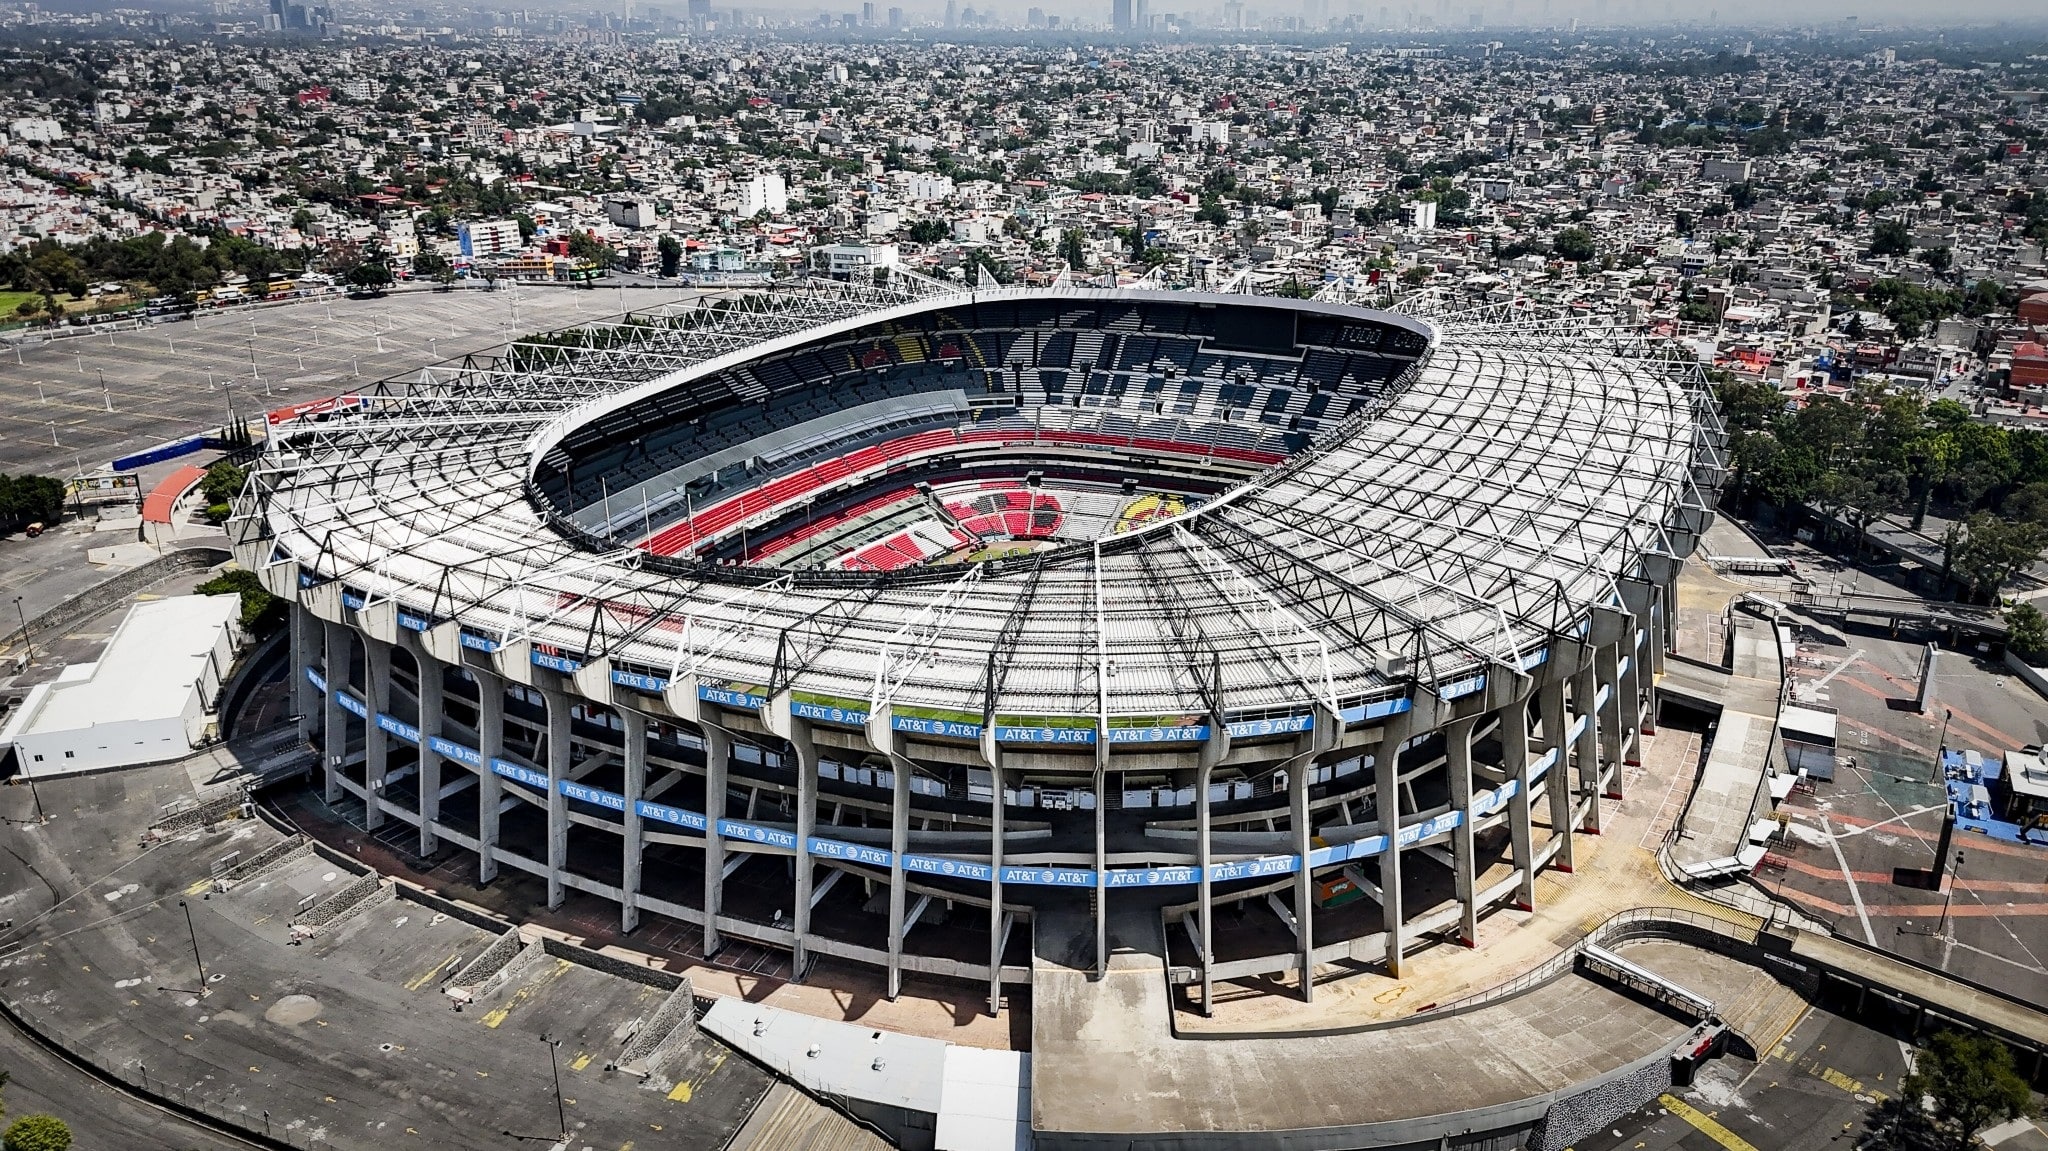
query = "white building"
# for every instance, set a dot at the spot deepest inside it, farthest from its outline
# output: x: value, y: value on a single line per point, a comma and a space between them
x: 846, y: 261
x: 150, y: 697
x: 764, y: 193
x: 490, y: 237
x: 630, y: 211
x: 1422, y: 215
x: 33, y: 130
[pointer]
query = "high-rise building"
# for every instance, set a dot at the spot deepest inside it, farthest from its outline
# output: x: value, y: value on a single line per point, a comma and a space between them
x: 952, y: 14
x: 1034, y: 18
x: 1141, y: 18
x: 1120, y: 15
x: 895, y: 17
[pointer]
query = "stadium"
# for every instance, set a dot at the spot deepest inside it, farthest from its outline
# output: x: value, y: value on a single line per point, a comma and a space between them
x: 878, y: 621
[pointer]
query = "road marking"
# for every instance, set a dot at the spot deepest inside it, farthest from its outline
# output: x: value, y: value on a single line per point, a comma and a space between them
x: 680, y: 1093
x: 1855, y: 895
x: 1705, y: 1123
x: 582, y: 1061
x: 196, y: 888
x: 421, y: 980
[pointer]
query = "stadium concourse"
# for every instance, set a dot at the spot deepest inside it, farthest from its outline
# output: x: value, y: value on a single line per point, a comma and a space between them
x: 877, y: 622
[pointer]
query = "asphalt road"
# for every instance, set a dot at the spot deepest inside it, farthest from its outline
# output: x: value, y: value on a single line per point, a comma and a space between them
x: 100, y: 1118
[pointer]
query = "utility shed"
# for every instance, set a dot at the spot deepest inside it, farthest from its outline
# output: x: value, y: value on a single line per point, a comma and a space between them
x: 149, y: 698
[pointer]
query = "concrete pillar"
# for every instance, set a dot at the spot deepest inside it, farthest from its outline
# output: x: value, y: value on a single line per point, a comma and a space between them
x: 1101, y: 856
x: 431, y: 696
x: 307, y: 640
x: 376, y: 741
x: 1512, y: 725
x: 1204, y: 888
x: 1386, y: 763
x: 806, y: 826
x: 490, y: 787
x: 1304, y: 880
x: 557, y: 706
x: 1586, y: 748
x: 899, y: 843
x: 1613, y: 717
x: 1458, y: 767
x: 636, y: 787
x: 333, y: 718
x: 995, y: 889
x: 717, y: 759
x: 1557, y: 782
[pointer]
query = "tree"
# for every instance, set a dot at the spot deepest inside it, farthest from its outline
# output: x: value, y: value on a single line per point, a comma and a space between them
x: 370, y: 276
x: 1985, y: 550
x: 223, y: 482
x: 929, y: 231
x: 37, y: 1133
x: 430, y: 263
x: 2029, y: 630
x: 1972, y: 1082
x: 262, y: 612
x: 671, y: 251
x: 1074, y: 249
x: 29, y: 499
x: 1891, y: 238
x: 1574, y: 244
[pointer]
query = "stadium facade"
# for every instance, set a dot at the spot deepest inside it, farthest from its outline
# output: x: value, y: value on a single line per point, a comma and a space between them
x: 867, y: 622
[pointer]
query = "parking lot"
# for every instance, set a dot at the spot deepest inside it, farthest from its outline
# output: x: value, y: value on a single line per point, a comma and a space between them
x: 75, y: 403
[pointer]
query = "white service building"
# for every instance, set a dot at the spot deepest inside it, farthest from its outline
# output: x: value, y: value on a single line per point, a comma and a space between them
x: 149, y: 698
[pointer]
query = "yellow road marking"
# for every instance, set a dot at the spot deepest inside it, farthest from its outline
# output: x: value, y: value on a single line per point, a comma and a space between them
x: 1705, y: 1123
x: 199, y: 886
x: 582, y: 1061
x: 423, y: 977
x: 680, y: 1093
x: 497, y: 1015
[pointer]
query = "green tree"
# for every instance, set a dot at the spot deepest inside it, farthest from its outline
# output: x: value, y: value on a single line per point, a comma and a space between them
x: 1985, y: 550
x: 430, y: 263
x: 2029, y: 630
x: 1973, y: 1084
x: 262, y: 612
x: 223, y: 482
x: 929, y: 231
x: 29, y: 499
x: 1574, y: 244
x: 1074, y: 249
x: 37, y: 1133
x: 1891, y: 238
x: 671, y: 252
x: 370, y: 276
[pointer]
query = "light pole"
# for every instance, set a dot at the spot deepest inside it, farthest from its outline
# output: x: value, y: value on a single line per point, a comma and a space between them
x: 1941, y: 748
x: 22, y: 613
x: 555, y: 1066
x: 201, y: 963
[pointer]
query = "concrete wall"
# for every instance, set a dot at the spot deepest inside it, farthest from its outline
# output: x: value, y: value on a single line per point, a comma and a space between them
x: 117, y: 743
x: 2034, y: 677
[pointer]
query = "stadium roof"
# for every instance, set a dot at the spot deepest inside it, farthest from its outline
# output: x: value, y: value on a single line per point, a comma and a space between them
x: 1530, y: 464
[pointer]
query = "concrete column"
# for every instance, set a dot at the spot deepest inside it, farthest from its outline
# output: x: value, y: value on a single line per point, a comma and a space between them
x: 306, y: 641
x: 806, y: 826
x: 1386, y: 764
x: 1458, y: 767
x: 333, y: 719
x: 899, y: 843
x: 717, y: 758
x: 558, y: 804
x: 431, y: 697
x: 1204, y: 889
x: 1629, y: 692
x: 1586, y: 748
x: 1613, y: 716
x: 1101, y: 856
x: 636, y: 787
x: 1512, y: 725
x: 1557, y: 782
x: 995, y: 890
x: 1304, y: 880
x: 376, y: 741
x: 490, y: 787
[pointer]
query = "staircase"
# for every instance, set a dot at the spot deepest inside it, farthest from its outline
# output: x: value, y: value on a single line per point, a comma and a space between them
x: 789, y: 1120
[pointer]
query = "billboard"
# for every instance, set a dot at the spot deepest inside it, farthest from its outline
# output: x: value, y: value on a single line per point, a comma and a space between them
x: 103, y: 489
x: 313, y: 408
